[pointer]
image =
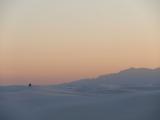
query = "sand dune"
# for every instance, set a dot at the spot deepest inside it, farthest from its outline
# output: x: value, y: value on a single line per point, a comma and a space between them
x: 47, y: 103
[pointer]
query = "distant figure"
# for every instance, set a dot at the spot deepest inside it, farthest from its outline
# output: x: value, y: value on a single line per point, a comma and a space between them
x: 29, y: 85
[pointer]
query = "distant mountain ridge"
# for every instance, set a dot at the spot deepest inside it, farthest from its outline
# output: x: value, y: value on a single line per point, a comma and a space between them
x: 132, y: 77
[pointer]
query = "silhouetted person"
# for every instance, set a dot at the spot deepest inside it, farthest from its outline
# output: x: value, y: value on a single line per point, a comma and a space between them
x: 29, y: 85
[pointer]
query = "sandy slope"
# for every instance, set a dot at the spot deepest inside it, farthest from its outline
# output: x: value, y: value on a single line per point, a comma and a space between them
x: 46, y: 103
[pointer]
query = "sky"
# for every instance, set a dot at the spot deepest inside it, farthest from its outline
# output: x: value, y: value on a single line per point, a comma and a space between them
x: 56, y: 41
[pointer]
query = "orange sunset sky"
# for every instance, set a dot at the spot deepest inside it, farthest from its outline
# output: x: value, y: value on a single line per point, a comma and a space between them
x: 55, y: 41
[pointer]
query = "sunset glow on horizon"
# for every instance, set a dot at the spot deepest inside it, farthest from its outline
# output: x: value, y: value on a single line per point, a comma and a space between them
x: 47, y: 42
